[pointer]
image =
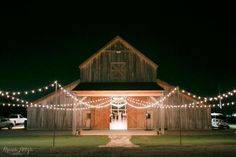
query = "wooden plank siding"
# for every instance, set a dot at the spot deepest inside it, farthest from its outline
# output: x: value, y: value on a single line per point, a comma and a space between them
x: 138, y: 68
x: 191, y: 118
x: 101, y: 118
x: 136, y: 118
x: 42, y: 118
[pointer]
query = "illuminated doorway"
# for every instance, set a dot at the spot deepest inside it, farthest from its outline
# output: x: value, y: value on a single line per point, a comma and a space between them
x: 118, y: 115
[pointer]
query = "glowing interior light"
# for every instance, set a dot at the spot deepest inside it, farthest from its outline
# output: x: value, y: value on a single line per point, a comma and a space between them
x: 119, y: 98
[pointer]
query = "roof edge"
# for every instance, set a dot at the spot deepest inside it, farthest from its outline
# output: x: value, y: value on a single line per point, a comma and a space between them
x: 118, y: 38
x: 167, y: 86
x: 74, y: 83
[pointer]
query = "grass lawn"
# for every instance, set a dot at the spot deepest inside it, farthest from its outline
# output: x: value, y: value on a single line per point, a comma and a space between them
x: 86, y: 146
x: 46, y: 141
x: 147, y: 141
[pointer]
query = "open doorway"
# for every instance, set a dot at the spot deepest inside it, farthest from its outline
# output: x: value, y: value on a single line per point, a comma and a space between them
x: 118, y: 118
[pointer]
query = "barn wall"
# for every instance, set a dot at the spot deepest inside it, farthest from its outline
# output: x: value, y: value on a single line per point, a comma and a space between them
x: 191, y: 118
x: 135, y: 68
x: 42, y: 118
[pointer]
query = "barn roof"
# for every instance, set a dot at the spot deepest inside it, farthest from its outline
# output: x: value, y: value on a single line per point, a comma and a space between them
x: 118, y: 89
x: 118, y: 86
x: 68, y: 87
x: 169, y: 87
x: 126, y: 44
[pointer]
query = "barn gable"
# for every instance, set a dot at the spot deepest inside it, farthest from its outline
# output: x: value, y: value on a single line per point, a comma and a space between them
x: 118, y: 61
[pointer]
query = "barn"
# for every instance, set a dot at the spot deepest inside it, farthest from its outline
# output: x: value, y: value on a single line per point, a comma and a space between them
x: 118, y: 89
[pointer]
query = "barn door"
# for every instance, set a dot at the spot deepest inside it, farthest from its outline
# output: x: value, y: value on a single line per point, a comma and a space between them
x: 118, y: 71
x: 101, y: 118
x: 136, y: 118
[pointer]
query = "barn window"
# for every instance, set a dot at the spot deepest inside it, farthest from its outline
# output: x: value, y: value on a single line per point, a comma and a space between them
x: 118, y: 71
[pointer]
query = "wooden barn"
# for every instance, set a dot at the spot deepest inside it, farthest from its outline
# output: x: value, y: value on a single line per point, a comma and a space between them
x: 118, y: 89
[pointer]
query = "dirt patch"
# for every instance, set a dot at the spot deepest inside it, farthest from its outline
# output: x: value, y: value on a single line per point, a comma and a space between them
x: 120, y: 141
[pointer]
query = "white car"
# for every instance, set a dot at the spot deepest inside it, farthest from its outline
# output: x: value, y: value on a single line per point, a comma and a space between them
x: 219, y: 124
x: 5, y: 123
x: 17, y: 119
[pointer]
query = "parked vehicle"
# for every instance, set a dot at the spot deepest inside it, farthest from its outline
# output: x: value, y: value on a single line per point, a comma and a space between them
x: 17, y: 119
x: 219, y: 124
x: 218, y: 121
x: 5, y: 123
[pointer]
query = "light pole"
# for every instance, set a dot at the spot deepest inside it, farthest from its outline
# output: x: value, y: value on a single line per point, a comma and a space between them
x: 180, y: 125
x: 54, y: 124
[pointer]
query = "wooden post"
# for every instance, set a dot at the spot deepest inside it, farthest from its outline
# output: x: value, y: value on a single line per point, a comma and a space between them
x: 162, y: 119
x: 146, y: 119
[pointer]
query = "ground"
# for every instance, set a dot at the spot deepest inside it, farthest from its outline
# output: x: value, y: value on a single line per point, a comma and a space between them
x: 167, y: 151
x: 218, y: 143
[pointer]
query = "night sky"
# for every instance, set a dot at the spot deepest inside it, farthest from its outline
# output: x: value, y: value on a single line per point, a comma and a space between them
x: 193, y: 43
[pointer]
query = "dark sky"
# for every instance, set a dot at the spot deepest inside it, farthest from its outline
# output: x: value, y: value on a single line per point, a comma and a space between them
x: 193, y: 43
